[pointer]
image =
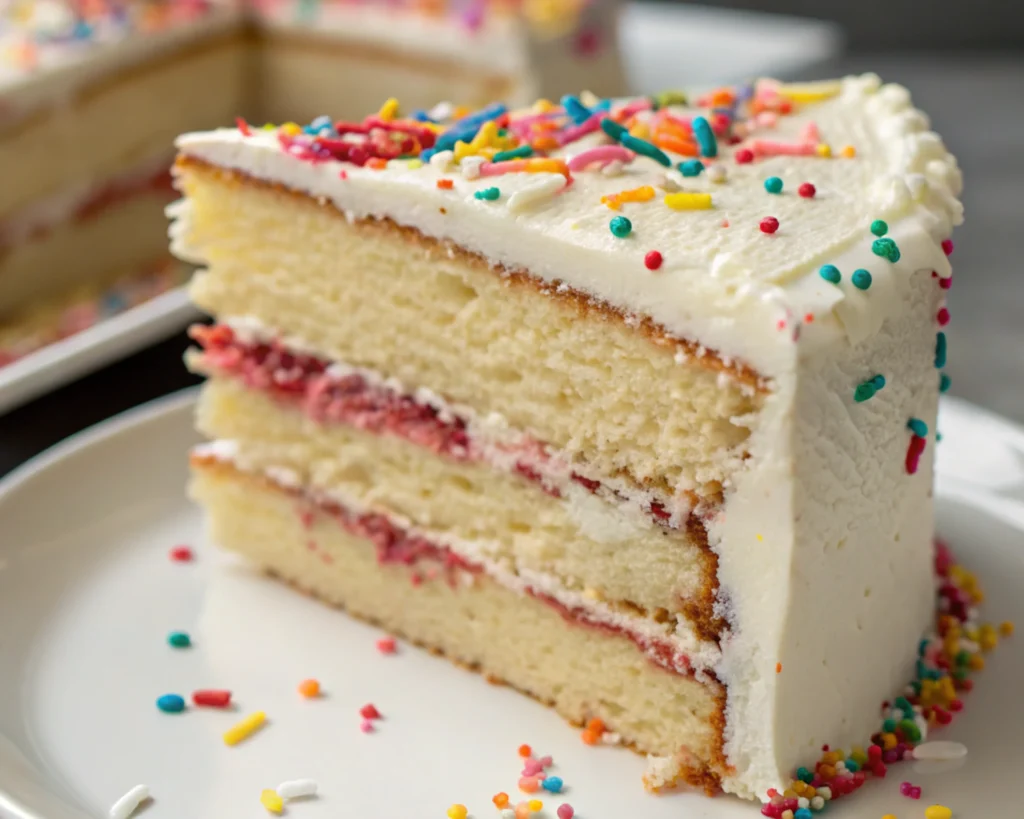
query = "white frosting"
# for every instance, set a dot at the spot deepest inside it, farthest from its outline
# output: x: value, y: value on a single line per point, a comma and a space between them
x: 727, y: 286
x: 700, y: 655
x: 824, y: 540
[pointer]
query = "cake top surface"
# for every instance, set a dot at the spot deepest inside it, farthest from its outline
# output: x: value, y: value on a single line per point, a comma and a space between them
x: 738, y: 217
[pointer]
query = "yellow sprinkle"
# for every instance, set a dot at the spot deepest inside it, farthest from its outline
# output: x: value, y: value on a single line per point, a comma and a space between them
x: 809, y: 91
x: 271, y: 801
x: 640, y: 130
x: 457, y: 812
x: 291, y: 128
x: 1006, y: 628
x: 688, y: 201
x: 240, y: 730
x: 413, y: 164
x: 389, y: 110
x: 849, y: 151
x: 760, y: 537
x: 462, y: 150
x: 269, y: 126
x: 486, y: 135
x: 642, y: 194
x: 543, y: 106
x: 824, y: 150
x: 535, y: 805
x: 888, y: 816
x: 937, y: 812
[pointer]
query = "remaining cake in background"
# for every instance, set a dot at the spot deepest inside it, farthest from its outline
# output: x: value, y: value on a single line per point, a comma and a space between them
x: 93, y: 94
x: 628, y: 403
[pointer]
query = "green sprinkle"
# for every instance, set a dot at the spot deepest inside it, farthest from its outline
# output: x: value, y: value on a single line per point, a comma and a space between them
x: 888, y: 726
x: 691, y: 167
x: 804, y: 775
x: 521, y: 152
x: 918, y: 427
x: 666, y: 98
x: 865, y: 391
x: 944, y: 382
x: 773, y: 184
x: 879, y: 228
x: 488, y: 194
x: 621, y: 226
x: 179, y: 639
x: 940, y: 350
x: 852, y: 766
x: 861, y: 279
x: 644, y: 148
x: 878, y: 381
x: 886, y: 248
x: 963, y: 658
x: 613, y: 129
x: 904, y: 705
x: 938, y: 436
x: 829, y: 272
x: 910, y: 729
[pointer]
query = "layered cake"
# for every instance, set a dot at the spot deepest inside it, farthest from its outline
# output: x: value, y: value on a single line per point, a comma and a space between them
x: 628, y: 403
x: 92, y: 95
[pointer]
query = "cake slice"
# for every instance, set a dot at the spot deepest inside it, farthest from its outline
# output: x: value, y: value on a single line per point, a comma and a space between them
x: 627, y: 403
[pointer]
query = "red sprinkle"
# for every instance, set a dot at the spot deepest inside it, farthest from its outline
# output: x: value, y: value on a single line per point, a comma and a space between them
x: 946, y: 283
x: 652, y: 261
x: 181, y: 554
x: 386, y: 645
x: 212, y: 697
x: 769, y: 224
x: 445, y: 184
x: 744, y: 156
x: 807, y: 190
x: 942, y: 317
x: 914, y: 453
x: 369, y: 711
x: 947, y: 246
x: 243, y: 126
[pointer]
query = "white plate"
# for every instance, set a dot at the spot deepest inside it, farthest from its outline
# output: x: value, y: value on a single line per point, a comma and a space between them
x: 88, y: 595
x: 112, y: 338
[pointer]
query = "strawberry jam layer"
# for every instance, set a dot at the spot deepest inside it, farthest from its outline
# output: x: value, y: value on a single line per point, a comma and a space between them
x: 396, y: 545
x: 309, y: 384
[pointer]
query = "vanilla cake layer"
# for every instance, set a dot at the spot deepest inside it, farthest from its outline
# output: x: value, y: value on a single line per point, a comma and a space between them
x: 618, y: 554
x: 95, y: 248
x: 94, y: 131
x: 302, y: 75
x: 583, y: 670
x: 569, y: 371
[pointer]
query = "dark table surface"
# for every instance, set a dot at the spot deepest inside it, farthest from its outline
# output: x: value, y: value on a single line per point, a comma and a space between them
x: 977, y: 106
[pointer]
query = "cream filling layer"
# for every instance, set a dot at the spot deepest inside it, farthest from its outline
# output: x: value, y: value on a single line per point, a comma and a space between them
x: 690, y: 654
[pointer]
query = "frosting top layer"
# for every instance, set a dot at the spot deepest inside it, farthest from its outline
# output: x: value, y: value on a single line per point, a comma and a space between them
x: 699, y: 214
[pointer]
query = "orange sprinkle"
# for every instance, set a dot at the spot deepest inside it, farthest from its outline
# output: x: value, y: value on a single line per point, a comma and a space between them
x: 676, y: 144
x: 445, y: 184
x: 528, y: 784
x: 525, y: 750
x: 642, y: 194
x: 309, y: 688
x: 544, y: 143
x: 778, y: 668
x: 590, y: 738
x: 596, y: 725
x: 809, y: 318
x: 977, y: 662
x: 500, y: 800
x: 378, y: 163
x: 1006, y: 628
x: 849, y: 151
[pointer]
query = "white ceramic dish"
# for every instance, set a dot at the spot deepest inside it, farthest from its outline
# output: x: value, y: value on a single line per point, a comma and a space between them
x: 88, y: 595
x: 108, y: 340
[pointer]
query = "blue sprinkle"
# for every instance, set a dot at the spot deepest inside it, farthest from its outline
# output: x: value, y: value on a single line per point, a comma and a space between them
x: 851, y: 766
x: 113, y: 303
x: 861, y: 279
x: 705, y: 136
x: 886, y: 248
x: 645, y: 148
x: 603, y: 105
x: 830, y: 273
x: 465, y: 129
x: 620, y: 226
x: 804, y: 775
x: 82, y: 30
x: 944, y: 383
x: 613, y: 129
x: 691, y: 167
x: 422, y: 116
x: 427, y: 153
x: 171, y: 704
x: 488, y: 194
x: 802, y: 813
x: 940, y: 350
x: 553, y: 784
x: 918, y: 427
x: 179, y: 639
x: 773, y: 184
x: 878, y: 381
x: 577, y: 111
x: 938, y: 436
x: 922, y: 647
x: 321, y: 121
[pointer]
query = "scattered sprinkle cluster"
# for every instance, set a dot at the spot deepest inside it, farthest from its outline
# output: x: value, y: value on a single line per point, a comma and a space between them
x: 946, y: 660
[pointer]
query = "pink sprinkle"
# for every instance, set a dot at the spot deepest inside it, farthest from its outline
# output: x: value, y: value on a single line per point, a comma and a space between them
x: 600, y: 156
x: 369, y: 711
x: 634, y: 107
x: 762, y: 147
x: 947, y: 246
x: 767, y: 119
x: 588, y: 126
x: 529, y: 784
x: 546, y: 761
x: 386, y: 645
x: 306, y: 516
x: 366, y: 727
x: 532, y: 768
x: 565, y: 811
x: 523, y: 811
x: 181, y: 554
x: 810, y: 133
x: 343, y: 175
x: 914, y: 455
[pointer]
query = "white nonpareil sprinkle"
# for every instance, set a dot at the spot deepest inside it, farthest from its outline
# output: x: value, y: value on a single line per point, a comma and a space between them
x: 470, y: 166
x: 442, y: 160
x: 508, y: 813
x: 296, y: 788
x: 817, y: 803
x: 716, y: 173
x: 127, y: 804
x: 537, y: 192
x: 944, y: 751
